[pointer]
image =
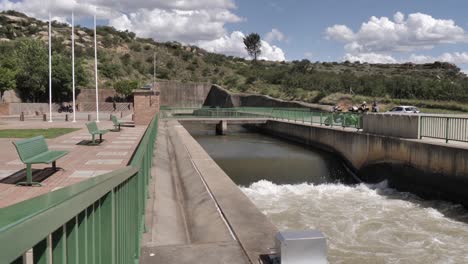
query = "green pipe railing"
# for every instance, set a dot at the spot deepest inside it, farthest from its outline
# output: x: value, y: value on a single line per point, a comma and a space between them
x: 100, y: 220
x: 303, y: 115
x: 443, y: 127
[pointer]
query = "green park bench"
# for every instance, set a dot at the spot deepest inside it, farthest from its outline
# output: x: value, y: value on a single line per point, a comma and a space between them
x: 94, y: 130
x: 116, y: 122
x: 35, y: 151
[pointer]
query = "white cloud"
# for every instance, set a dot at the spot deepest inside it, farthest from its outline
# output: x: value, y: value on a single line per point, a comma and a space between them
x: 417, y: 31
x: 340, y: 33
x: 233, y: 45
x: 184, y: 26
x: 275, y: 35
x: 370, y: 58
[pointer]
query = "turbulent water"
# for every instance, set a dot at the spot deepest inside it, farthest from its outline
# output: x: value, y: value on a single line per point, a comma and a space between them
x: 298, y: 188
x: 368, y: 223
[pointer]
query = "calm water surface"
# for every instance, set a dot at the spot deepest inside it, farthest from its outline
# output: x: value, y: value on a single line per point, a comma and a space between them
x: 299, y: 188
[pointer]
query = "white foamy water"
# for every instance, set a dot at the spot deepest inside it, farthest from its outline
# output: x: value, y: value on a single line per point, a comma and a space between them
x: 368, y: 223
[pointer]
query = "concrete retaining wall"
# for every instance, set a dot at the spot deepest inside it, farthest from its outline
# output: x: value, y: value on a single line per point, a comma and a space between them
x: 30, y: 108
x: 432, y: 170
x: 89, y: 95
x: 218, y: 96
x: 404, y: 126
x: 179, y: 94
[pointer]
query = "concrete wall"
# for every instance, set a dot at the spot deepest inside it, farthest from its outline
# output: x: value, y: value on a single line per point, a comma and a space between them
x: 89, y: 95
x: 221, y: 97
x: 428, y: 169
x: 404, y: 126
x: 179, y: 94
x: 27, y: 108
x: 104, y: 107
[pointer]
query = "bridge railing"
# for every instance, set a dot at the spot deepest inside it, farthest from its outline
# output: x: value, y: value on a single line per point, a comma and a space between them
x: 100, y: 220
x: 443, y: 127
x: 303, y: 115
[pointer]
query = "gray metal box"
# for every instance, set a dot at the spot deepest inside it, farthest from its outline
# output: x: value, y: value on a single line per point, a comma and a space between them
x: 302, y: 247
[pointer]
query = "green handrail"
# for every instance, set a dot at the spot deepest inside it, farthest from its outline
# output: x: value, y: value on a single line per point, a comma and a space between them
x: 99, y: 220
x: 291, y: 114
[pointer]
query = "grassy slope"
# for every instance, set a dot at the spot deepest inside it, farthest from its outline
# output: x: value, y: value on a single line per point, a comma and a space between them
x: 122, y: 56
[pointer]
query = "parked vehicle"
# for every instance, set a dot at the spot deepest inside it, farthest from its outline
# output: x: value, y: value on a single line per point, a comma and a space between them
x: 404, y: 109
x: 67, y: 108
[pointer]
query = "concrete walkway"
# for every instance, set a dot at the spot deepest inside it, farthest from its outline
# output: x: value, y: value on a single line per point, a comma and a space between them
x: 196, y: 214
x: 83, y: 161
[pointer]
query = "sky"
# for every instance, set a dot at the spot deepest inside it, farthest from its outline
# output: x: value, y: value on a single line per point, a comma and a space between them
x: 375, y: 31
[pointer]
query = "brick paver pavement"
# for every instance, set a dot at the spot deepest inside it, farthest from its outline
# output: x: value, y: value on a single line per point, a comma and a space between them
x: 80, y: 164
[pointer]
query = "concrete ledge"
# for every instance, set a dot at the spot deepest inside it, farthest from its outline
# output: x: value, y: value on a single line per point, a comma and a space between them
x: 255, y: 233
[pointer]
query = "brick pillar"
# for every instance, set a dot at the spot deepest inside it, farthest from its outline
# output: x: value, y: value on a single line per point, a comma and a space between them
x: 146, y: 106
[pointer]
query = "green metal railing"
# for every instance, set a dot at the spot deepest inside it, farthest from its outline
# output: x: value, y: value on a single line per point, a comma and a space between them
x: 303, y: 115
x: 441, y: 127
x: 100, y: 220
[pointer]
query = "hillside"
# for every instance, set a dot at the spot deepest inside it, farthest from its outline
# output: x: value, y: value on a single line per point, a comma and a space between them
x: 123, y: 56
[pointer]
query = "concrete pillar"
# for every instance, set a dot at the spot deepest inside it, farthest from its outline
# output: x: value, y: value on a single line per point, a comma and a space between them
x: 221, y: 128
x: 146, y: 106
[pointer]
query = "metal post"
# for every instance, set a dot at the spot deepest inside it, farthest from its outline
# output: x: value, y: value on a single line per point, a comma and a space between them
x: 73, y: 65
x: 154, y: 70
x: 420, y: 127
x: 96, y: 69
x: 50, y: 66
x: 447, y: 130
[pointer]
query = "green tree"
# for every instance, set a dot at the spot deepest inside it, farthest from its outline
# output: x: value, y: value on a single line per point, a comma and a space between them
x: 253, y: 45
x: 125, y: 87
x: 62, y: 83
x: 32, y: 77
x: 7, y: 80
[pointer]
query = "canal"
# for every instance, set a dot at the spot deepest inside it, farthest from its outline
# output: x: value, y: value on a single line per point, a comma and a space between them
x: 299, y: 188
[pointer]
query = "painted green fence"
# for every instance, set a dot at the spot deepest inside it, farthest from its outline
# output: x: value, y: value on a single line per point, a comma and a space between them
x: 100, y: 220
x: 442, y: 127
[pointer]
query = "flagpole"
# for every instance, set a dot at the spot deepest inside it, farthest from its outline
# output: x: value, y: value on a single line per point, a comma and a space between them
x: 73, y: 65
x: 154, y: 70
x: 96, y: 69
x: 50, y: 66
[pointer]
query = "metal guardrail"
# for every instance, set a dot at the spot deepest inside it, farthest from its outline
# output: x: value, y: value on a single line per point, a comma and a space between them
x: 100, y: 220
x: 303, y: 115
x: 440, y: 127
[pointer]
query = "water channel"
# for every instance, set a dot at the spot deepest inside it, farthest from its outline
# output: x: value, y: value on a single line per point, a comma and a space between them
x: 299, y: 188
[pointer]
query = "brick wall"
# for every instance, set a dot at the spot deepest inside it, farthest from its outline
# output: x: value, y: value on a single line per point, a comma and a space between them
x: 89, y: 95
x: 146, y: 106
